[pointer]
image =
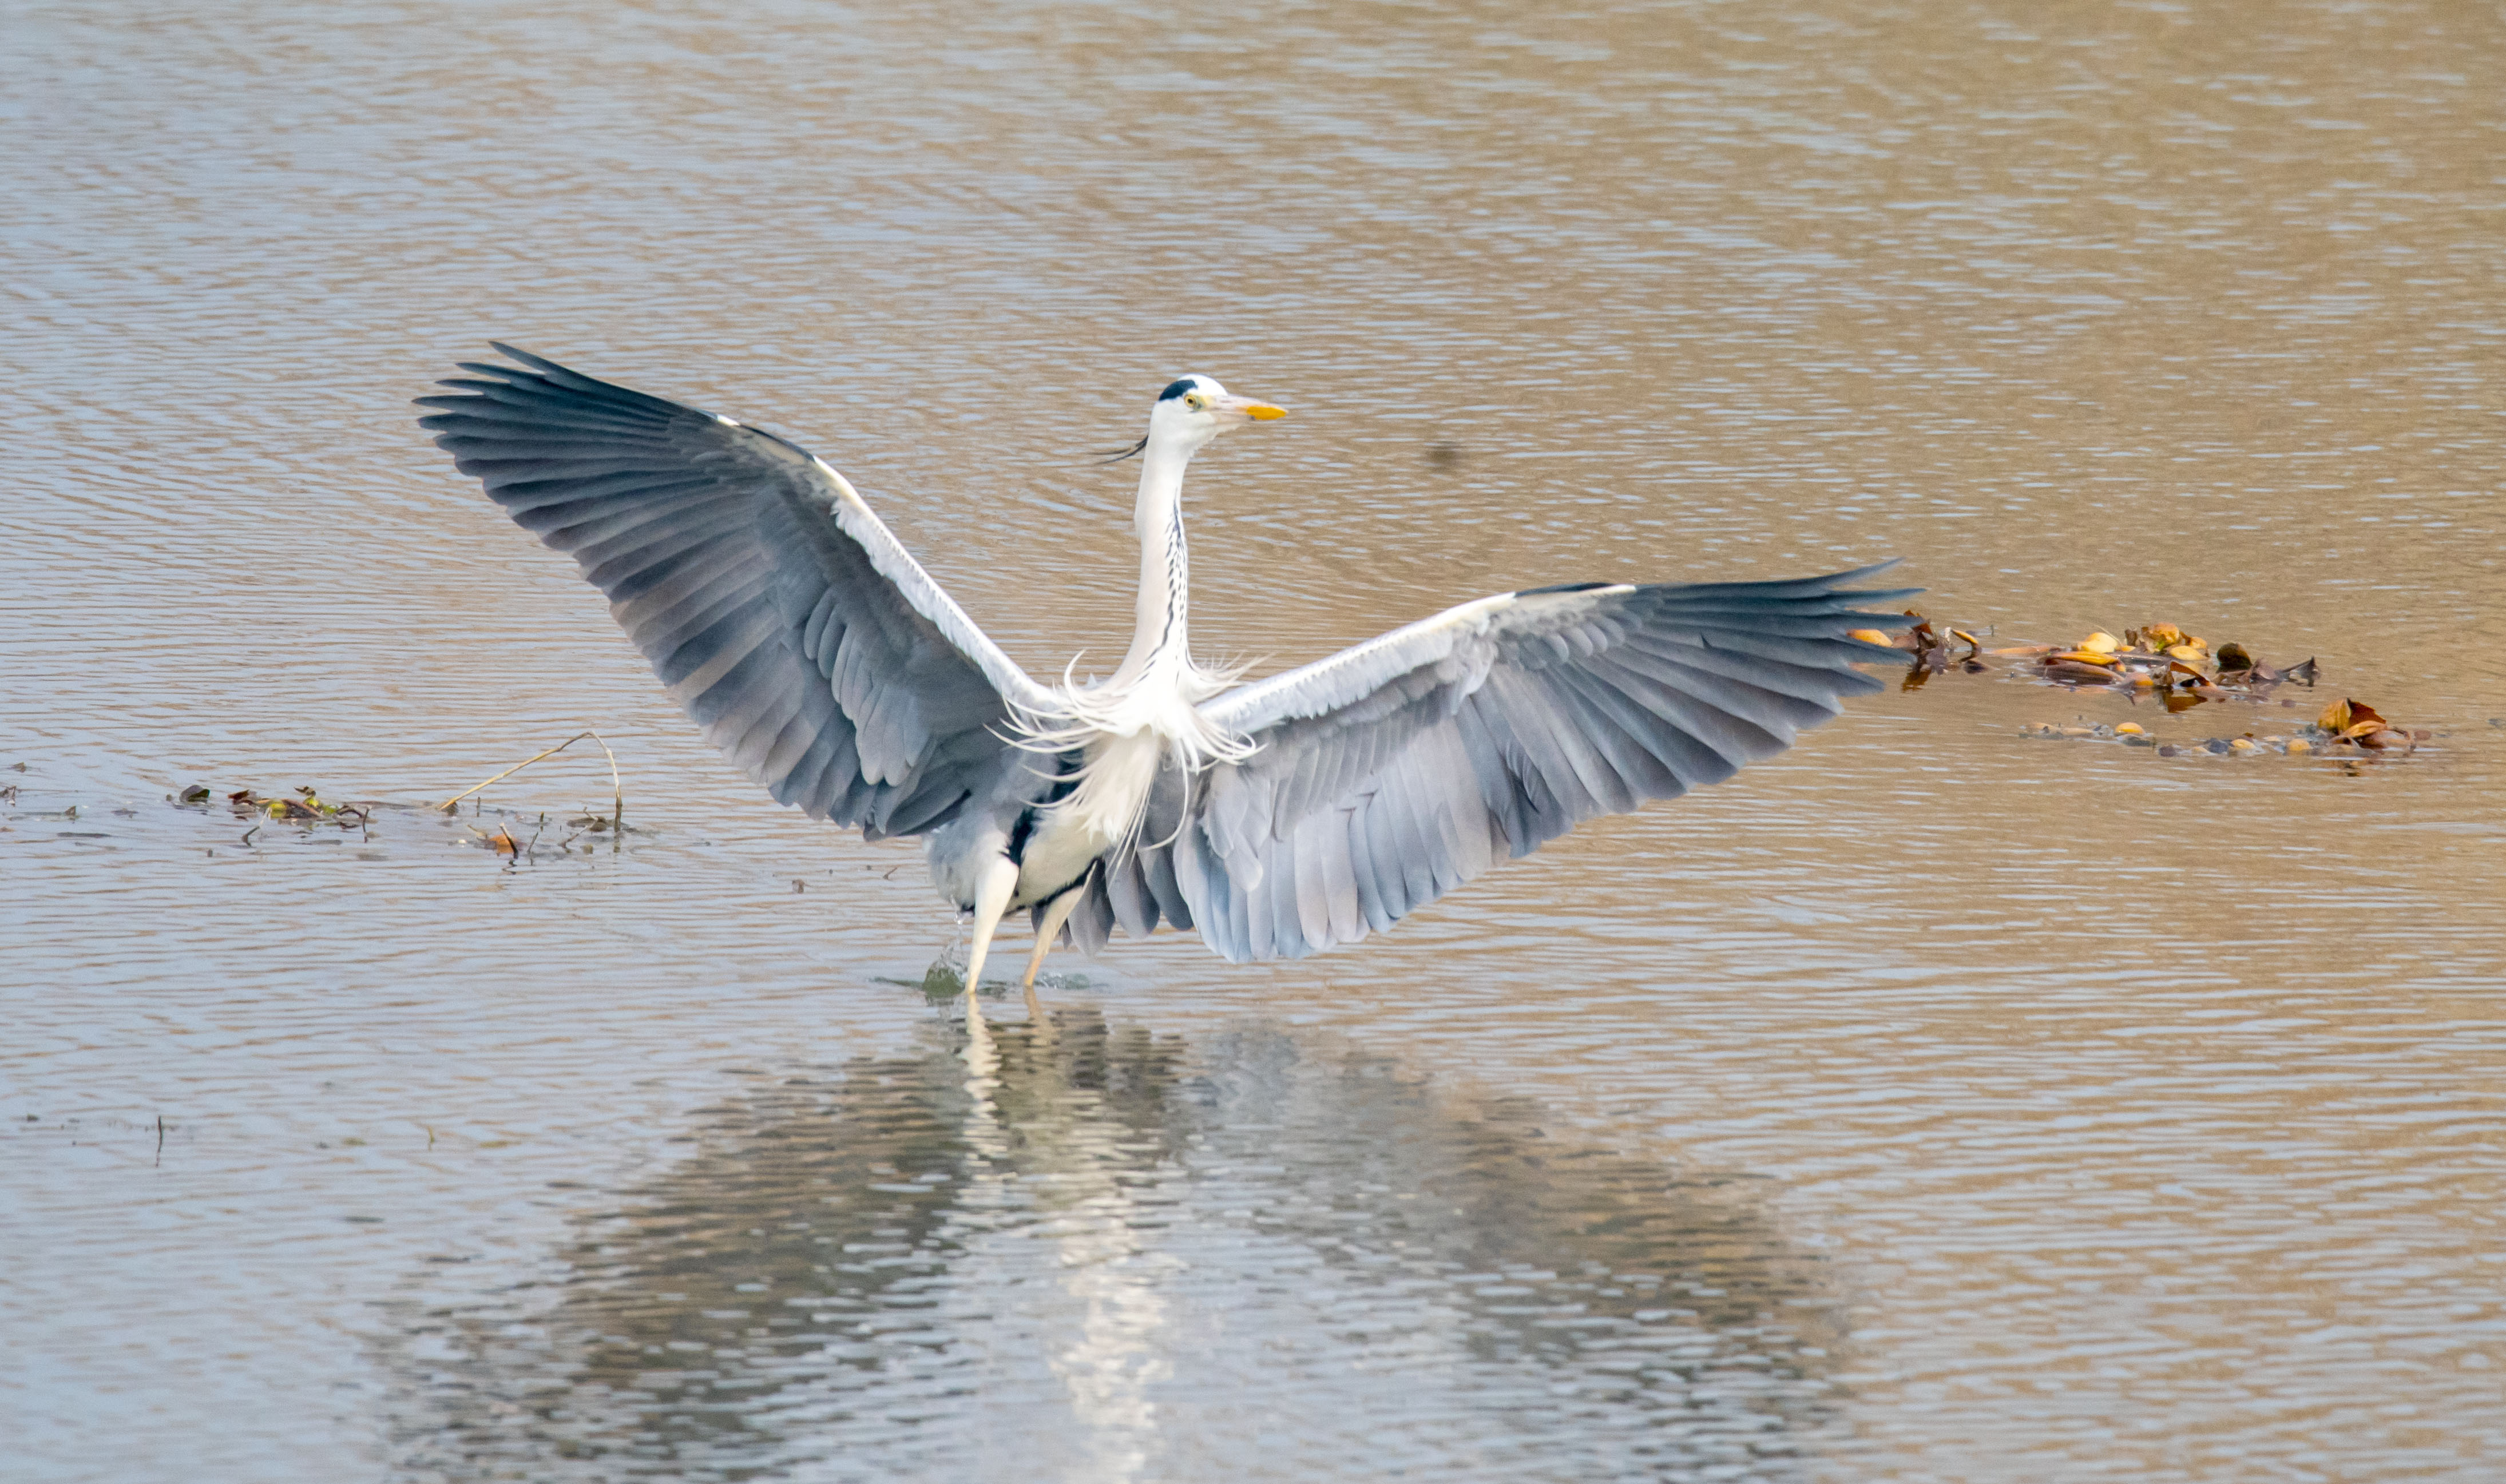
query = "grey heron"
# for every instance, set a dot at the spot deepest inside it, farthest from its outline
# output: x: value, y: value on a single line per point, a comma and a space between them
x: 1279, y: 818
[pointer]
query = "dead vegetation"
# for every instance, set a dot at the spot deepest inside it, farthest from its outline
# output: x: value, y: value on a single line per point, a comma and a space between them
x: 2174, y: 671
x: 508, y: 841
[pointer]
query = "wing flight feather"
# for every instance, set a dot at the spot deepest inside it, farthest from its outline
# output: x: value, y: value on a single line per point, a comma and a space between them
x: 778, y: 610
x: 1395, y: 770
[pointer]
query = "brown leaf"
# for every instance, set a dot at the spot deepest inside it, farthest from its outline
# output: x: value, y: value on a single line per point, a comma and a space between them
x: 2233, y: 656
x: 2344, y: 716
x: 2074, y: 672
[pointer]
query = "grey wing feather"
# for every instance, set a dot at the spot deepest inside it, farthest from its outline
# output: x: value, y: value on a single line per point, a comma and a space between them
x: 1390, y: 773
x: 778, y: 610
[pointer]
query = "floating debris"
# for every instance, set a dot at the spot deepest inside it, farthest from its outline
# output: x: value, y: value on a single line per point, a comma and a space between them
x: 2157, y: 658
x: 304, y: 806
x: 2181, y: 671
x: 616, y: 820
x: 2350, y: 731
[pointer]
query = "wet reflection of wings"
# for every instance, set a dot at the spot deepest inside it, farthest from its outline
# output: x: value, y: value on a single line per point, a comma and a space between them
x: 1089, y: 1250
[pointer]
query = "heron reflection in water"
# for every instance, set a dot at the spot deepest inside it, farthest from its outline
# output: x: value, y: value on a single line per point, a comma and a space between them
x: 1277, y: 818
x: 1081, y: 1249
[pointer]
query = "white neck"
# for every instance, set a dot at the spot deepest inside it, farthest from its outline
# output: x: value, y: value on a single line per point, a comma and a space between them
x: 1159, y: 638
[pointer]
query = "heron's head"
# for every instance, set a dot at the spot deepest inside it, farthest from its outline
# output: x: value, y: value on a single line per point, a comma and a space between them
x: 1196, y: 410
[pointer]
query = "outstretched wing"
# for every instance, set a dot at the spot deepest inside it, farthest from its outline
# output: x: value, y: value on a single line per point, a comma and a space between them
x: 1390, y: 773
x: 779, y: 611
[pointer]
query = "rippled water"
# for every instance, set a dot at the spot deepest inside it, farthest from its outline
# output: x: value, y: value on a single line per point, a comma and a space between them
x: 1928, y: 1103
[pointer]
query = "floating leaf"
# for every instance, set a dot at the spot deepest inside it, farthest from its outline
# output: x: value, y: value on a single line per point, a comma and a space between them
x: 2233, y: 656
x: 502, y: 842
x: 2102, y: 643
x: 2159, y: 637
x: 196, y: 794
x: 2338, y: 716
x: 2130, y: 729
x: 1870, y: 636
x: 2073, y: 670
x: 2086, y: 657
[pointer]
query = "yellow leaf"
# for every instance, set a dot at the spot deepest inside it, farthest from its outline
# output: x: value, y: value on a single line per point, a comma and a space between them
x: 1869, y: 636
x: 2102, y: 643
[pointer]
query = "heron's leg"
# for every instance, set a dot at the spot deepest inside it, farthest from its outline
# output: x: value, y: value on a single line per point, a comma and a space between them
x: 992, y: 894
x: 1055, y: 912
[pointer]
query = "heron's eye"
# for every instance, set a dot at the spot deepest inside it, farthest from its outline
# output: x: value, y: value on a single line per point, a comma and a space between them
x: 1195, y: 400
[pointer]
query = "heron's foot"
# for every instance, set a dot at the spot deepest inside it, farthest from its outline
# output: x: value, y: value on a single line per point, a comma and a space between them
x: 1048, y: 929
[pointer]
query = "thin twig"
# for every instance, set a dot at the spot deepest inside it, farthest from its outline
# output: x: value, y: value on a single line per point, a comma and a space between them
x: 618, y: 800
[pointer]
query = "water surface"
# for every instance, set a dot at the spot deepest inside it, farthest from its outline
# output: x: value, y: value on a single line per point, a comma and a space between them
x: 2032, y: 1108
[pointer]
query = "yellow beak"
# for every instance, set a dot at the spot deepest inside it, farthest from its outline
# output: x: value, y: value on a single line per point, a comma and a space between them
x: 1263, y: 412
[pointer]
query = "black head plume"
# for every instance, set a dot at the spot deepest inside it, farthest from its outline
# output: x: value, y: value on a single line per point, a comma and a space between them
x: 1116, y: 456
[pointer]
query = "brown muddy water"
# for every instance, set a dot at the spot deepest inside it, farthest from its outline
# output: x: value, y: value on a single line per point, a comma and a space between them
x: 1930, y: 1103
